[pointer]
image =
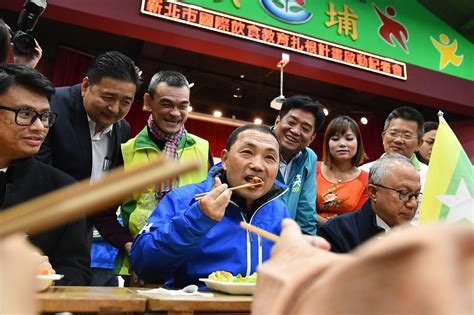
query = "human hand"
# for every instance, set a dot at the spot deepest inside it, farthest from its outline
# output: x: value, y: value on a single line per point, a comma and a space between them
x: 19, y: 262
x: 321, y: 220
x: 128, y: 247
x: 28, y: 60
x: 214, y: 203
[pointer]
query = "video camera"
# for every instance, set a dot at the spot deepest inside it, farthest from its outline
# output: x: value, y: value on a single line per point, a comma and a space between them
x: 23, y: 42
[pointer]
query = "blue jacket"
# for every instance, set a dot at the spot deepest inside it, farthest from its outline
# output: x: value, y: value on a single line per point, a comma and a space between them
x: 180, y: 244
x: 300, y: 198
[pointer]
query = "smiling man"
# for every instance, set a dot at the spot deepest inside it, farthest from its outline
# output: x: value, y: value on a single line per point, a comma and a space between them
x: 85, y: 143
x: 164, y: 136
x: 295, y: 127
x: 25, y: 118
x: 394, y: 194
x: 186, y: 239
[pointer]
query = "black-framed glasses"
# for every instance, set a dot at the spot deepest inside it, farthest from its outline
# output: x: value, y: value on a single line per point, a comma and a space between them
x: 404, y: 195
x: 28, y: 116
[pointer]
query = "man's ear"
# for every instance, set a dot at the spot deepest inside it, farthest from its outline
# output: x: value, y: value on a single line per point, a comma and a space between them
x: 313, y: 137
x: 146, y: 102
x: 372, y: 190
x: 224, y: 156
x: 420, y: 142
x: 277, y: 120
x: 85, y: 85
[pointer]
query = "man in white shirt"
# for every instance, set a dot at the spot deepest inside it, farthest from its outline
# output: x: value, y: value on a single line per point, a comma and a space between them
x: 85, y: 143
x: 403, y: 132
x: 394, y: 194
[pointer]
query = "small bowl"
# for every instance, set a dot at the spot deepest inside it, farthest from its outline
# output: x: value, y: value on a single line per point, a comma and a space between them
x: 45, y: 281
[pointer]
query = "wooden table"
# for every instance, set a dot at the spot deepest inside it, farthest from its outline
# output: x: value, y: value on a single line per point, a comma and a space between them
x: 90, y: 299
x: 122, y: 300
x: 183, y: 305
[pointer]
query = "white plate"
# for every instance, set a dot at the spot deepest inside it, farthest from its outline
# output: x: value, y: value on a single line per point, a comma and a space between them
x: 230, y: 287
x: 44, y: 281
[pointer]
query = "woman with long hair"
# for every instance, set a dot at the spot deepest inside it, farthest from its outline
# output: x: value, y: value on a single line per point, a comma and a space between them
x: 341, y: 186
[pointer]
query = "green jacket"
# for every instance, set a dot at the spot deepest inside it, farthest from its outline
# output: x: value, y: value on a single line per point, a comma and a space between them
x: 141, y: 149
x: 300, y: 199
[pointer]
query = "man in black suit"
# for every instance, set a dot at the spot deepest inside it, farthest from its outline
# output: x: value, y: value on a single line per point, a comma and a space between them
x: 85, y: 142
x: 25, y: 118
x: 394, y: 191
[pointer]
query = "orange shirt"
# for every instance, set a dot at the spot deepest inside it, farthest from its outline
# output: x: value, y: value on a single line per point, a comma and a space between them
x: 333, y: 199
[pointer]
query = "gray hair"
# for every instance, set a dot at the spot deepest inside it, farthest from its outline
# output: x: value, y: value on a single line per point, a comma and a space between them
x: 406, y: 113
x: 171, y: 78
x: 382, y: 167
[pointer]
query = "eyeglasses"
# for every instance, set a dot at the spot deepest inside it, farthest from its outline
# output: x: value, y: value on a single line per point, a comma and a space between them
x: 395, y: 134
x: 27, y: 116
x: 404, y: 195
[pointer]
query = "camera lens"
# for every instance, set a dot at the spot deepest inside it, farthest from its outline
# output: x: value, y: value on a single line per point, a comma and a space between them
x: 24, y: 43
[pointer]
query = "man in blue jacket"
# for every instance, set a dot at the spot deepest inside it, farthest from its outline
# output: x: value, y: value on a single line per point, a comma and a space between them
x: 295, y: 127
x: 186, y: 239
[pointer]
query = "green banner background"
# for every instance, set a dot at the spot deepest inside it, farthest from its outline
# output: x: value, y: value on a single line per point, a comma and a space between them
x: 420, y: 23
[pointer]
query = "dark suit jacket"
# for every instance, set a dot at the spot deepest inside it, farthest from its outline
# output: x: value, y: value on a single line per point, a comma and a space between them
x: 66, y: 245
x: 347, y: 231
x: 68, y: 147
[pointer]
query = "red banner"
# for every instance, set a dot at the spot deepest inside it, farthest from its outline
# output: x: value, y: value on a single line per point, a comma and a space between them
x: 269, y: 35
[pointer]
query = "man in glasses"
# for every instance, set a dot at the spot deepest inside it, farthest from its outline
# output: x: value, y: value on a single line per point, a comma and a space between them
x: 25, y: 118
x: 403, y: 132
x: 394, y: 194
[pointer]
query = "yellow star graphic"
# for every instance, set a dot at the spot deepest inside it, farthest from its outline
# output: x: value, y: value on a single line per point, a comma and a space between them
x: 447, y: 51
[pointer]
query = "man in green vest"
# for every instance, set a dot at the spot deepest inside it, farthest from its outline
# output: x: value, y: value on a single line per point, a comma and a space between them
x: 164, y: 135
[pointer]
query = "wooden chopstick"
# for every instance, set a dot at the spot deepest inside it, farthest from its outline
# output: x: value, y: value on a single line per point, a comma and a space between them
x: 199, y: 196
x: 83, y: 198
x: 268, y: 235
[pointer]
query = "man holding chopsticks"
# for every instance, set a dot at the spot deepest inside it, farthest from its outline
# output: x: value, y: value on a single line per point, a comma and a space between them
x: 25, y: 119
x: 189, y: 237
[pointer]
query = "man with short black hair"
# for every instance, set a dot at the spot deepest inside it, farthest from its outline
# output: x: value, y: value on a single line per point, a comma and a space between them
x: 402, y: 133
x: 296, y: 126
x: 394, y: 194
x: 25, y: 118
x: 186, y: 239
x: 85, y: 143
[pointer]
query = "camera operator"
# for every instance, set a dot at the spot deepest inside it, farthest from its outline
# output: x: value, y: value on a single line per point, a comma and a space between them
x: 6, y: 46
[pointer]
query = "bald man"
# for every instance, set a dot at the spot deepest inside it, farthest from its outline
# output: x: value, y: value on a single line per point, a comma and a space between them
x: 394, y: 194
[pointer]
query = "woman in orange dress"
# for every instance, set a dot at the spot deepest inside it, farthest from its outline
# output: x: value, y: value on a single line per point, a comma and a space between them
x: 340, y: 186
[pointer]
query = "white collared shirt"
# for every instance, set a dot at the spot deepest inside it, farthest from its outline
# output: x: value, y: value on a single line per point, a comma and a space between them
x: 381, y: 223
x: 285, y: 168
x: 100, y: 149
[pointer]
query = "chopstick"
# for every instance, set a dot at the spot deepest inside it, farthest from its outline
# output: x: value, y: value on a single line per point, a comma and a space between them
x: 259, y: 231
x: 83, y: 198
x: 199, y: 196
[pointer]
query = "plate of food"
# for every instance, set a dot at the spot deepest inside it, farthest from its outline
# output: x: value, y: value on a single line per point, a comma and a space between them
x: 44, y: 279
x: 226, y: 282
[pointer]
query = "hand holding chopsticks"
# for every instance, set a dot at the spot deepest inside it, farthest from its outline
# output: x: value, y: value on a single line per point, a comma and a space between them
x: 199, y: 196
x: 257, y: 182
x: 218, y: 198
